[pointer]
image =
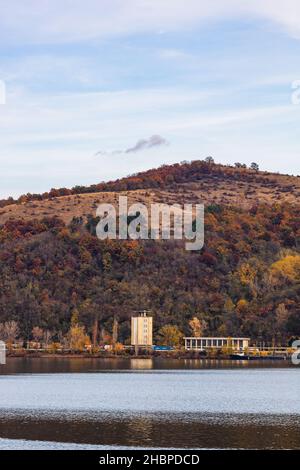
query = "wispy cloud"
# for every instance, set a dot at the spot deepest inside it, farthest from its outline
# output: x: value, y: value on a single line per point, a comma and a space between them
x: 142, y: 144
x: 82, y: 76
x: 58, y: 22
x: 173, y: 54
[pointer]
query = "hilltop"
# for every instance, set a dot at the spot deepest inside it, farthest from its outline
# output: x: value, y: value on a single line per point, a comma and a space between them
x: 244, y: 282
x: 196, y: 182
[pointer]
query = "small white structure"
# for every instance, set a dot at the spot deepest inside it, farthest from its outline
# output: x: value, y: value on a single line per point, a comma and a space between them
x: 2, y: 353
x: 204, y: 344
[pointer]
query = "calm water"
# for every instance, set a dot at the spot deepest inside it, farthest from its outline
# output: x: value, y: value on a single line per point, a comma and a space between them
x: 50, y: 403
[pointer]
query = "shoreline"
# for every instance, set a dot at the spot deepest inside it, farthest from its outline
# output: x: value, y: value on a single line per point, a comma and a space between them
x: 157, y: 356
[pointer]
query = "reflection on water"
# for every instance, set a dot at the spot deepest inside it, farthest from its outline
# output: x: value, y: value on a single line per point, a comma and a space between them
x: 144, y: 403
x: 54, y: 364
x: 22, y: 444
x: 142, y: 364
x: 153, y: 431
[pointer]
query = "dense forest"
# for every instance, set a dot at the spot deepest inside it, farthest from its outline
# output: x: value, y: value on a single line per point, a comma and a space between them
x: 245, y: 281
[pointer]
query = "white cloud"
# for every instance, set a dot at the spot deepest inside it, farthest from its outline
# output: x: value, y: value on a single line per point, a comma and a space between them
x: 42, y: 21
x: 54, y: 125
x: 118, y: 118
x: 174, y: 54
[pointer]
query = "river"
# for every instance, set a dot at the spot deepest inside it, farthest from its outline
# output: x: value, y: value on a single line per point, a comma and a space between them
x: 107, y: 403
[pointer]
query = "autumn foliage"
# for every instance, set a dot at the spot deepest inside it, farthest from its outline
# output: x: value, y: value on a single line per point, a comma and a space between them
x: 245, y: 281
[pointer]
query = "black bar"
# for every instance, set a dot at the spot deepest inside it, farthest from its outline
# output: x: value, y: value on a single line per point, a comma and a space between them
x: 133, y: 459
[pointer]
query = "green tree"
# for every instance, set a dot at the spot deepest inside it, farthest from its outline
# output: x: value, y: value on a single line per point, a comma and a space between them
x: 170, y: 335
x: 254, y: 166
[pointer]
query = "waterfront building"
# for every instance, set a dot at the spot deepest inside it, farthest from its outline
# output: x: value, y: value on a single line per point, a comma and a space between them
x: 2, y: 353
x: 141, y: 330
x: 209, y: 343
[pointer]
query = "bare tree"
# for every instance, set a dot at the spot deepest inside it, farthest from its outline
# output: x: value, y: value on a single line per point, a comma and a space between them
x: 47, y: 336
x: 37, y: 333
x: 115, y: 331
x: 9, y: 331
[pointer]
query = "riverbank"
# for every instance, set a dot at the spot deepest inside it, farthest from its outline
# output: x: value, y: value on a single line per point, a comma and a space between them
x: 107, y: 355
x: 175, y: 355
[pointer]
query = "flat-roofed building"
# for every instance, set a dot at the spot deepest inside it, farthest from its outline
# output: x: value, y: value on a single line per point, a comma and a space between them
x: 141, y: 330
x: 206, y: 343
x: 2, y: 353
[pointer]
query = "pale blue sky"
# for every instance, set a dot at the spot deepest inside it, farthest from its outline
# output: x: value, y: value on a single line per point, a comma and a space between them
x: 98, y: 76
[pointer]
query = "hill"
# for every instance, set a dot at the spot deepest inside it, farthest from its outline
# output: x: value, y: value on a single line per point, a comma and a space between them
x: 197, y: 181
x: 245, y: 281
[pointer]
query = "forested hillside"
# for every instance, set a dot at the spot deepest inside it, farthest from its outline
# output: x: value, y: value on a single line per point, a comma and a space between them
x: 245, y: 281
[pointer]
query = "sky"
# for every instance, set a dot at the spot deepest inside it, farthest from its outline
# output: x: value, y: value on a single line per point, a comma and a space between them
x: 101, y: 89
